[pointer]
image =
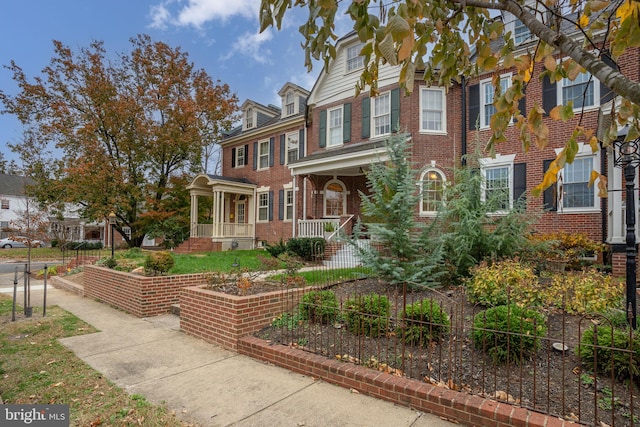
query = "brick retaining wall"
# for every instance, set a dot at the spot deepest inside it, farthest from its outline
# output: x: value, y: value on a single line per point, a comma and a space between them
x: 223, y: 319
x: 138, y: 295
x: 465, y: 408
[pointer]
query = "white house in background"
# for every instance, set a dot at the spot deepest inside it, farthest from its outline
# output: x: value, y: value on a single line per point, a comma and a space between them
x: 13, y: 201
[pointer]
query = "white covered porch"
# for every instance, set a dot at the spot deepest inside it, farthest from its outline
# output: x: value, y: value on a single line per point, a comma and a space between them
x: 222, y: 211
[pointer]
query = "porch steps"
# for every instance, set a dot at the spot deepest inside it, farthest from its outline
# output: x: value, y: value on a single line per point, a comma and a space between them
x: 345, y: 256
x: 195, y: 244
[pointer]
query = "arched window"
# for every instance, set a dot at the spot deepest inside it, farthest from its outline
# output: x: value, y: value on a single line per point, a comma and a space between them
x: 335, y: 199
x: 432, y: 191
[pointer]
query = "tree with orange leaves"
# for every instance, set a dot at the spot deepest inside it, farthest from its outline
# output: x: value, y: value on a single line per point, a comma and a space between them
x: 112, y: 134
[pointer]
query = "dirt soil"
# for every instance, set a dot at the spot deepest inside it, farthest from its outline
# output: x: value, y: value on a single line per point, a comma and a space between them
x: 552, y: 381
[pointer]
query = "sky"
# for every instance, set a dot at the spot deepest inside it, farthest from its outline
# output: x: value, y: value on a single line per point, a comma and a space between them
x: 221, y: 36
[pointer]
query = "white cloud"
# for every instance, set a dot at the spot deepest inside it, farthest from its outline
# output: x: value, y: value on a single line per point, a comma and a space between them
x: 198, y: 12
x: 251, y: 45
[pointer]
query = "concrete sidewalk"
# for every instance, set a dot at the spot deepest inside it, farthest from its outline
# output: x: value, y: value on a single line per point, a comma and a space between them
x: 211, y: 386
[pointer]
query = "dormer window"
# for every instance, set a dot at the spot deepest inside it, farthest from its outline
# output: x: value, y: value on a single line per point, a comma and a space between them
x: 521, y: 32
x: 355, y: 61
x: 289, y: 104
x: 248, y: 119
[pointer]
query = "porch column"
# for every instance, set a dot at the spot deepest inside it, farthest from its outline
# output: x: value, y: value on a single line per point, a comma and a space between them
x: 216, y: 213
x: 193, y: 228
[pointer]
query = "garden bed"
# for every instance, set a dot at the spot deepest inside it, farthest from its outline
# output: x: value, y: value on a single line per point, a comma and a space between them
x: 551, y: 381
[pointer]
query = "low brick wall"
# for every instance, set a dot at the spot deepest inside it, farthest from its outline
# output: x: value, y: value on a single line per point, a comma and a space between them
x: 66, y: 285
x: 223, y: 319
x: 138, y: 295
x: 465, y: 408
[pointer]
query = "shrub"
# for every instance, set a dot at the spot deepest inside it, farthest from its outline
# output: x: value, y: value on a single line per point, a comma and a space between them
x: 277, y: 249
x: 503, y: 282
x: 133, y: 253
x: 610, y: 350
x: 306, y: 247
x: 425, y: 321
x: 368, y: 314
x: 584, y: 292
x: 109, y: 262
x: 319, y: 306
x: 508, y: 332
x: 158, y: 263
x: 569, y: 246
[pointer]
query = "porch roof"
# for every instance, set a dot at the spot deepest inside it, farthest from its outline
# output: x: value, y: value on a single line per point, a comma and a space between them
x: 346, y: 160
x: 222, y: 183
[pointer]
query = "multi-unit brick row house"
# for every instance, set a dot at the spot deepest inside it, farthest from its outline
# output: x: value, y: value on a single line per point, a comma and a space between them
x: 289, y: 170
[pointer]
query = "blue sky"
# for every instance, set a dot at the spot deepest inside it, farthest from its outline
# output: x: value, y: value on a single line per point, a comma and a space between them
x: 221, y: 36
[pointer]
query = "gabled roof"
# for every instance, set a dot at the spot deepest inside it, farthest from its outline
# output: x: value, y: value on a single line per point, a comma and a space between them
x: 13, y: 185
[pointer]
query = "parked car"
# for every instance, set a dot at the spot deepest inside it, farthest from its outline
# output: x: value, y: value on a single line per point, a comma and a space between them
x: 19, y: 242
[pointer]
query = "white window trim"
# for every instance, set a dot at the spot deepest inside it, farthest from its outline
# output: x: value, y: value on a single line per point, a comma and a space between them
x: 483, y: 83
x: 444, y: 111
x: 373, y: 116
x: 240, y: 164
x: 430, y: 214
x: 344, y: 199
x: 296, y: 134
x: 497, y: 162
x: 260, y: 155
x: 328, y: 133
x: 258, y: 207
x: 584, y: 150
x: 285, y: 205
x: 284, y: 104
x: 596, y: 94
x: 250, y: 114
x: 346, y: 59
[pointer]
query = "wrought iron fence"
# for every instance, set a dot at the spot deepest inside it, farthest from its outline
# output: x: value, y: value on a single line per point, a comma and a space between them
x: 580, y: 368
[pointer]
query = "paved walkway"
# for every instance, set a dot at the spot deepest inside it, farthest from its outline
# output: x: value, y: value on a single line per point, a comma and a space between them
x: 212, y: 386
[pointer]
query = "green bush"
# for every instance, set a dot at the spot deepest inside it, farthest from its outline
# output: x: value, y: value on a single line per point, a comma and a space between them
x: 108, y: 262
x: 306, y: 247
x: 508, y: 332
x: 425, y: 321
x: 133, y: 253
x: 277, y: 249
x: 611, y: 351
x: 319, y: 306
x: 158, y: 263
x: 368, y: 314
x: 503, y: 282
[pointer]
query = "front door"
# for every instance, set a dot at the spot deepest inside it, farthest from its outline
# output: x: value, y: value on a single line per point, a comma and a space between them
x: 241, y: 215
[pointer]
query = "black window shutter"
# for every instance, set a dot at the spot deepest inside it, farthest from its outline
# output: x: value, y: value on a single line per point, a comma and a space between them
x: 395, y: 110
x: 474, y: 106
x: 346, y: 123
x: 301, y: 144
x: 255, y: 155
x: 246, y: 154
x: 271, y: 205
x: 280, y: 205
x: 283, y: 149
x: 549, y: 95
x: 607, y: 94
x: 519, y: 181
x: 323, y: 129
x: 233, y: 157
x: 522, y: 105
x: 366, y: 117
x: 272, y: 142
x: 549, y: 197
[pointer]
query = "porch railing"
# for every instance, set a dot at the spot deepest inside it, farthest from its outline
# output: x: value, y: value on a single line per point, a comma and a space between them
x: 226, y: 229
x: 316, y: 227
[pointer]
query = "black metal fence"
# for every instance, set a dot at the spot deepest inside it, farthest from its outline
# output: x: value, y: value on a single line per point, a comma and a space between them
x: 580, y: 368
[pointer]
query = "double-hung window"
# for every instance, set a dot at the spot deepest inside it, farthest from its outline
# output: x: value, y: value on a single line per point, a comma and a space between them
x: 583, y: 91
x: 521, y: 32
x: 382, y: 114
x: 573, y: 182
x: 263, y: 154
x: 432, y: 110
x: 335, y: 127
x: 498, y: 182
x: 4, y: 204
x: 289, y: 105
x: 288, y: 205
x: 293, y: 146
x: 248, y: 118
x: 487, y: 95
x: 263, y: 206
x: 240, y: 156
x: 355, y: 61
